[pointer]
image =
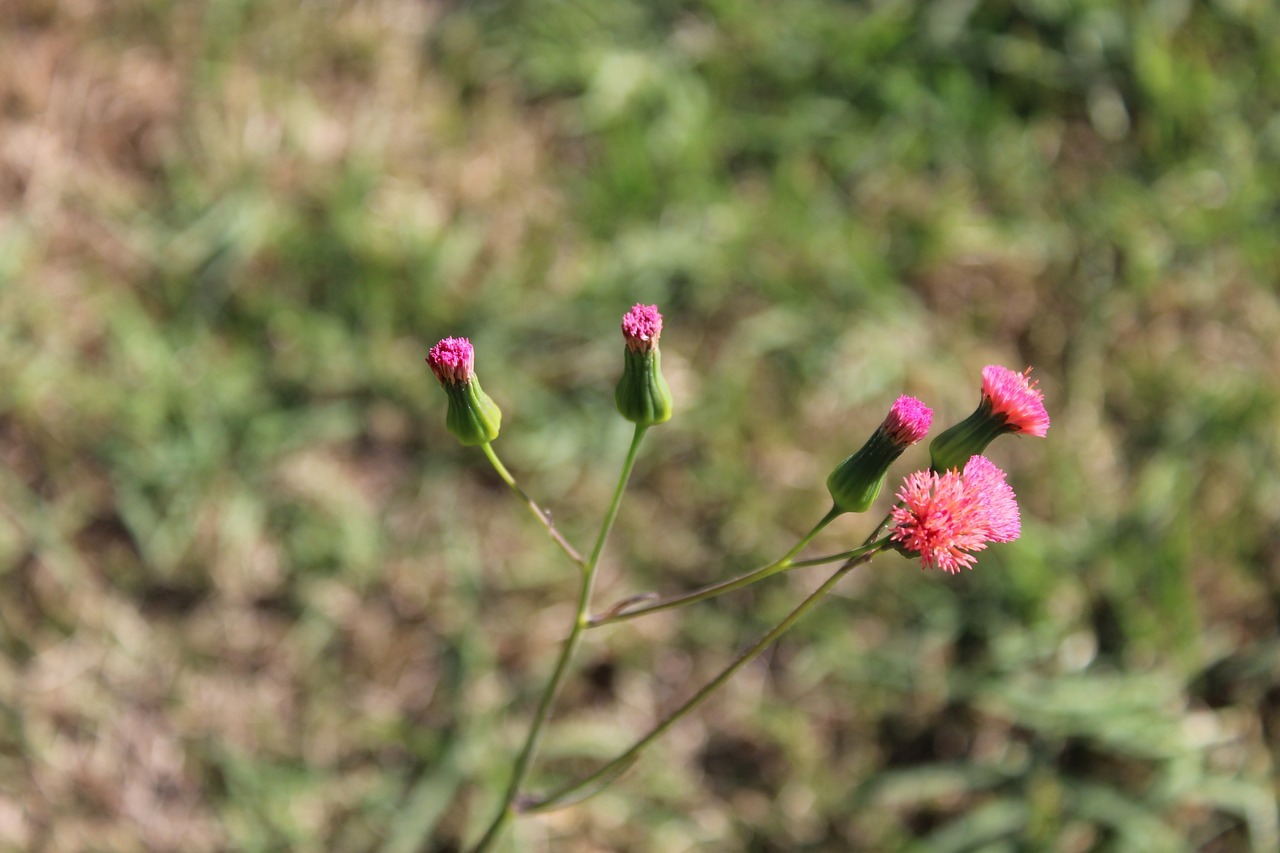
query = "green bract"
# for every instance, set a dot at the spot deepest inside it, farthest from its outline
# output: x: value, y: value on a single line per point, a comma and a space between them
x: 954, y: 447
x: 856, y: 481
x: 642, y: 396
x: 473, y: 416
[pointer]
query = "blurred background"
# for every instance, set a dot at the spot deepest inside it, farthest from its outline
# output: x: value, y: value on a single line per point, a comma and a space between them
x: 255, y: 597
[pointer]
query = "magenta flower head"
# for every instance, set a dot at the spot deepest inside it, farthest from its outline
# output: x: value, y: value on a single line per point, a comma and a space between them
x: 1010, y: 403
x: 856, y: 481
x: 473, y: 417
x: 947, y: 517
x: 642, y: 396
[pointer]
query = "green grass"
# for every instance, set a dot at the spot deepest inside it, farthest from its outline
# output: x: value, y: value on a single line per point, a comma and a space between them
x: 255, y: 597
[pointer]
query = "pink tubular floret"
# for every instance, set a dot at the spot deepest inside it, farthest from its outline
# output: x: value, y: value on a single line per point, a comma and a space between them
x: 453, y: 361
x: 1015, y: 396
x: 642, y: 326
x: 1000, y: 505
x: 947, y: 517
x: 908, y: 421
x: 937, y: 521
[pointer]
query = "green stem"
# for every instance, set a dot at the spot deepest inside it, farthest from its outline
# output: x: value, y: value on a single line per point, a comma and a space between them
x: 617, y: 764
x: 525, y: 759
x: 620, y: 614
x: 544, y: 517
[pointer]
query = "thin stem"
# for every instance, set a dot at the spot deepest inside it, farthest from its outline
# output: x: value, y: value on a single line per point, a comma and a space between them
x: 888, y: 516
x: 832, y: 515
x: 544, y: 517
x: 777, y: 567
x: 617, y: 764
x: 829, y: 558
x: 524, y: 760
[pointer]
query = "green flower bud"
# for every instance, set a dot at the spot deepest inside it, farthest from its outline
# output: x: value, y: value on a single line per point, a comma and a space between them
x: 642, y: 396
x: 856, y: 481
x: 473, y: 417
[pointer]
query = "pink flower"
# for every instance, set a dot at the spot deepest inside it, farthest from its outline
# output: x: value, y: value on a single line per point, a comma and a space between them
x: 987, y: 483
x: 453, y: 361
x: 948, y: 517
x: 908, y: 421
x: 1016, y: 397
x: 642, y: 326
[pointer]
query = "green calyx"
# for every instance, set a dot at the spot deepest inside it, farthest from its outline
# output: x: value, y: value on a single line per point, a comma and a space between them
x: 856, y: 481
x: 642, y: 396
x: 952, y: 449
x: 473, y: 417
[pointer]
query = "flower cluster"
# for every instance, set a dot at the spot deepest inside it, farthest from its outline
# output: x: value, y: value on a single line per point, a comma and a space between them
x: 947, y: 517
x: 944, y: 515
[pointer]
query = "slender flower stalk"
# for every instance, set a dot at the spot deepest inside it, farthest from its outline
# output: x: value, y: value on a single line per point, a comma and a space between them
x: 630, y: 609
x: 525, y: 759
x: 572, y: 793
x: 543, y: 516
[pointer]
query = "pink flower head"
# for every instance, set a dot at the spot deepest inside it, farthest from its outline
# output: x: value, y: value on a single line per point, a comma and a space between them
x: 987, y: 482
x: 908, y: 421
x: 642, y: 326
x: 453, y: 361
x: 1016, y: 397
x: 948, y: 517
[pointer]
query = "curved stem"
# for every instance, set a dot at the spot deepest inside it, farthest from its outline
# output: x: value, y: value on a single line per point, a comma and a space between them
x: 619, y: 763
x: 783, y: 564
x: 520, y: 769
x: 544, y: 517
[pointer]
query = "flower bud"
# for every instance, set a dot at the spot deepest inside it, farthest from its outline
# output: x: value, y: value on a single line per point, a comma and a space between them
x: 1010, y: 403
x: 856, y: 481
x: 642, y: 396
x: 473, y: 417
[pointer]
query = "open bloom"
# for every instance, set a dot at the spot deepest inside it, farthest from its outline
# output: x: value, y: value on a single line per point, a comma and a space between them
x: 856, y: 481
x: 947, y: 517
x: 1011, y: 403
x: 473, y: 417
x: 642, y: 395
x: 1014, y: 397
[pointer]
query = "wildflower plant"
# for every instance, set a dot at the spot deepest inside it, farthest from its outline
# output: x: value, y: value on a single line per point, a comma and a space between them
x: 944, y: 516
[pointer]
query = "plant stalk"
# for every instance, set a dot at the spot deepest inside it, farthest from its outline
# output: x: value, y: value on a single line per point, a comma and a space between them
x: 524, y: 760
x: 619, y: 763
x: 544, y: 517
x: 785, y: 563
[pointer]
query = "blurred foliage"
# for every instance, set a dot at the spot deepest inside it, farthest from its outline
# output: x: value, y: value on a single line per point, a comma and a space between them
x: 256, y: 598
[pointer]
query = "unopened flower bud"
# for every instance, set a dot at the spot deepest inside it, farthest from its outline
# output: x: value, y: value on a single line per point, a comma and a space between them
x: 856, y: 481
x: 1010, y: 403
x: 473, y: 417
x: 642, y: 396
